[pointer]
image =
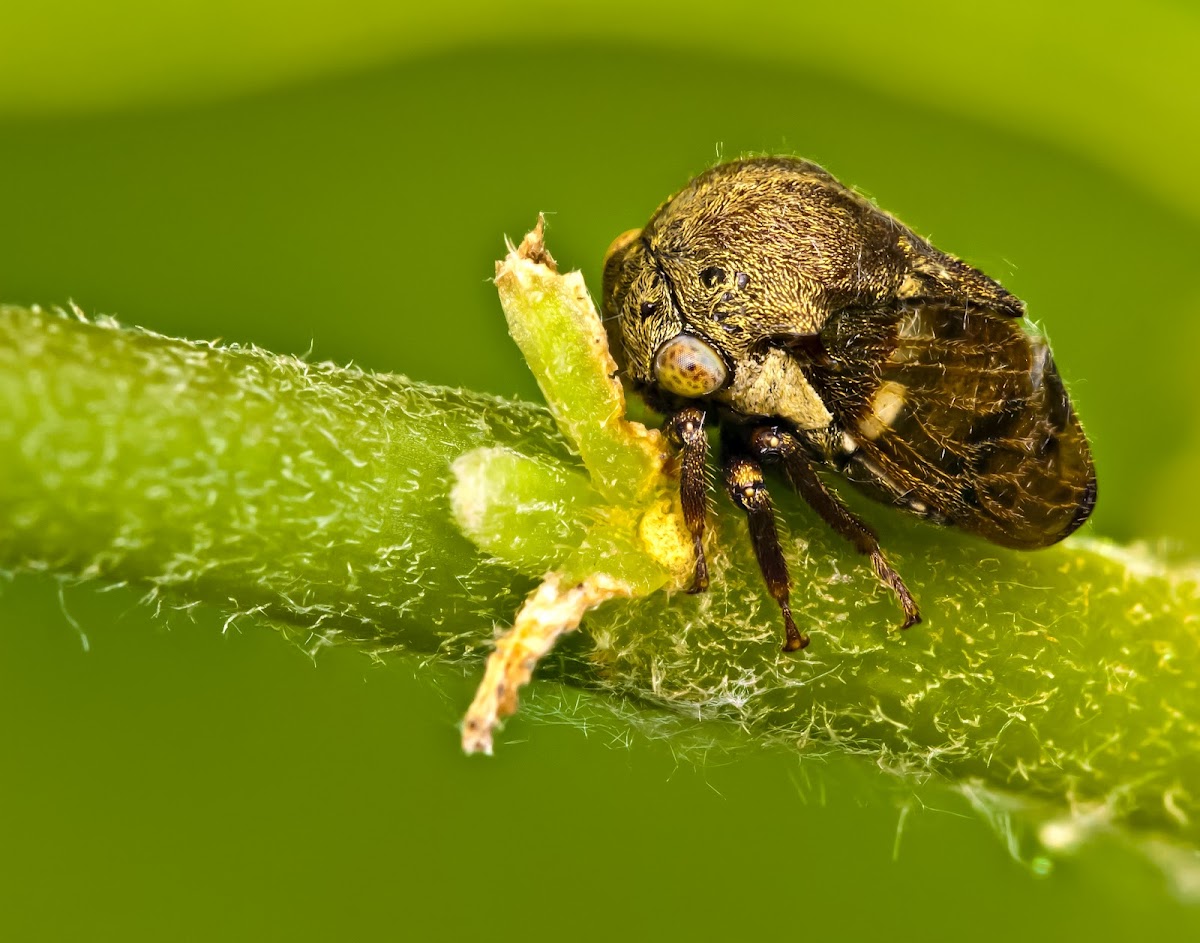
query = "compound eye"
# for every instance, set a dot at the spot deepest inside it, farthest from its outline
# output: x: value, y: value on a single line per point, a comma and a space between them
x: 687, y: 366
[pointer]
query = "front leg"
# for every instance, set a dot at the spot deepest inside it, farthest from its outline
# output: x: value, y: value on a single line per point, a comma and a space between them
x: 685, y: 430
x: 744, y: 482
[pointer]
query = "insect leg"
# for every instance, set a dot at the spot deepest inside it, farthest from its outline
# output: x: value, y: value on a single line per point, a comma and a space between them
x: 744, y: 482
x: 772, y: 442
x: 685, y: 429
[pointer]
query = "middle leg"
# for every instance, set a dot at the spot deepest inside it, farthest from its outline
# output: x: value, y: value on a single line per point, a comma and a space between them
x: 744, y: 482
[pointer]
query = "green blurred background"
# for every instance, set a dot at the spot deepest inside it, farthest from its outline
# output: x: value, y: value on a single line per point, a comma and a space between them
x: 339, y: 177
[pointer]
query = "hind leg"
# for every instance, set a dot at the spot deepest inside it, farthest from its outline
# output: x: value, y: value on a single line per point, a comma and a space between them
x: 775, y: 443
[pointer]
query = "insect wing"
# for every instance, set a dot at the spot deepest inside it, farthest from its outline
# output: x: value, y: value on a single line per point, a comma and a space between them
x: 964, y: 418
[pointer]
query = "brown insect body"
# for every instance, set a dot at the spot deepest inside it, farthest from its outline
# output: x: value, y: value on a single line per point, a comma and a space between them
x: 820, y: 329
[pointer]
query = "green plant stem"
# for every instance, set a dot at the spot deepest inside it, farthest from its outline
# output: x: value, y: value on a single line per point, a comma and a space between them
x: 319, y: 496
x: 259, y: 483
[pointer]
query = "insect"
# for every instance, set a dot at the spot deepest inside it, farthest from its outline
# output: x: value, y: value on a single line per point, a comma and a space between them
x: 819, y: 332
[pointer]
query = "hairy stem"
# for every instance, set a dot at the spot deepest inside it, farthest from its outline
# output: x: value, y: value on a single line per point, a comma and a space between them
x: 321, y: 497
x: 260, y: 483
